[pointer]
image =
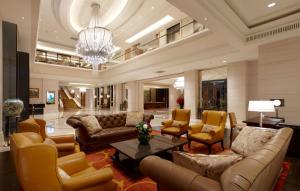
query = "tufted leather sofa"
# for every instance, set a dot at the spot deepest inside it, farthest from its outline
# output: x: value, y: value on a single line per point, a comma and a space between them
x: 114, y: 130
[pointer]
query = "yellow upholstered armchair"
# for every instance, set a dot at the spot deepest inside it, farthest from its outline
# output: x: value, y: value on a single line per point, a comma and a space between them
x: 65, y: 144
x: 210, y: 130
x: 38, y: 167
x: 179, y: 123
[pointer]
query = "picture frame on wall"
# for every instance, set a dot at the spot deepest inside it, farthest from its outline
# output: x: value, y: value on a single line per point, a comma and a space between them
x: 34, y: 92
x: 50, y: 97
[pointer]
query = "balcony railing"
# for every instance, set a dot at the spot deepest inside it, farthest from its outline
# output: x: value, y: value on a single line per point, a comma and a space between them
x: 172, y: 34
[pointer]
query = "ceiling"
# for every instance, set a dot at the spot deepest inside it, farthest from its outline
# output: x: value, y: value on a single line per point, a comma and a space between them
x: 60, y: 20
x: 257, y: 12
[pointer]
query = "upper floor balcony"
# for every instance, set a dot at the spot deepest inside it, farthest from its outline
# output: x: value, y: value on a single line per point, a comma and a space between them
x: 183, y: 29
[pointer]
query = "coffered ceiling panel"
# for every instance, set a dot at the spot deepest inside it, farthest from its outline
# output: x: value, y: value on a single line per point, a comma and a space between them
x: 257, y: 12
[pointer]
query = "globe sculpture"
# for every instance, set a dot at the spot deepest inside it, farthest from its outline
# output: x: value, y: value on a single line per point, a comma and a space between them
x: 13, y: 107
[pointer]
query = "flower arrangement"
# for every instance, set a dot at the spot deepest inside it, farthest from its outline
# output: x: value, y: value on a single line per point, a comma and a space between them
x: 144, y: 131
x: 180, y: 101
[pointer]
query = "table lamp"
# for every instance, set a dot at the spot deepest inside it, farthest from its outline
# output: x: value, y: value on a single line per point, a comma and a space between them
x: 261, y: 107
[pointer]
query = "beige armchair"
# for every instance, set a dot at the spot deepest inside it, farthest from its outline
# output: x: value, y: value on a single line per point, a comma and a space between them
x: 179, y: 123
x: 216, y: 120
x: 38, y: 167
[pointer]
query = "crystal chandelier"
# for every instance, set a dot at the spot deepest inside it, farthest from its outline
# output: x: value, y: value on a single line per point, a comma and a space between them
x: 95, y: 42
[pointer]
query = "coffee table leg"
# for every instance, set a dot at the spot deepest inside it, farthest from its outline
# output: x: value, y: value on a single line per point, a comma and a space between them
x: 181, y: 148
x: 117, y: 155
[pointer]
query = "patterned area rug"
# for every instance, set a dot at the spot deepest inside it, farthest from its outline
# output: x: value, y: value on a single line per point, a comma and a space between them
x: 102, y: 159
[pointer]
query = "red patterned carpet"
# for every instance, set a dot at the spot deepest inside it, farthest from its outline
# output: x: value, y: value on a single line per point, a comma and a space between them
x: 102, y: 159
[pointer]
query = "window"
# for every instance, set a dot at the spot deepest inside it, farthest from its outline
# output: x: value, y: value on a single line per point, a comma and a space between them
x: 173, y: 33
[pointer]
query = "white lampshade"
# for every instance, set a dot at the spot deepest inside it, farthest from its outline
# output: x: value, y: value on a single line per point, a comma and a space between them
x: 261, y: 106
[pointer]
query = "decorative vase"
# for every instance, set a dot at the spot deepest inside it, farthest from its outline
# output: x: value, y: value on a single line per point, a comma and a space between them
x: 181, y: 106
x: 144, y: 139
x: 13, y: 107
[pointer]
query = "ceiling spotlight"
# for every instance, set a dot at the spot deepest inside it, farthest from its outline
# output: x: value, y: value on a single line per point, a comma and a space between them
x: 23, y: 18
x: 224, y: 61
x: 205, y: 18
x: 271, y: 5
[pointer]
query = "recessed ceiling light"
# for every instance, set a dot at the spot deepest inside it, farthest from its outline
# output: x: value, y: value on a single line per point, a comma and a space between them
x: 271, y: 5
x: 23, y: 18
x: 205, y: 18
x: 152, y: 7
x: 150, y: 29
x: 224, y: 61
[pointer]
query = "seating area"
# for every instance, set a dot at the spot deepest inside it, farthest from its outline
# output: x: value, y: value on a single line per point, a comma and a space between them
x: 149, y: 95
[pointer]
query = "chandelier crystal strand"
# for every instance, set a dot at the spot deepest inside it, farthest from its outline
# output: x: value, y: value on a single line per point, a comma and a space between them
x: 95, y: 42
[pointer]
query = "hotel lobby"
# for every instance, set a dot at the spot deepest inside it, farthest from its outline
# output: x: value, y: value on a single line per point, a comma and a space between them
x: 150, y: 95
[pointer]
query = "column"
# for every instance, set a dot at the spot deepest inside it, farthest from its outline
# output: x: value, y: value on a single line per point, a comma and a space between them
x: 191, y: 91
x: 1, y: 87
x: 237, y: 99
x: 118, y: 96
x: 173, y: 95
x: 135, y: 96
x: 90, y: 98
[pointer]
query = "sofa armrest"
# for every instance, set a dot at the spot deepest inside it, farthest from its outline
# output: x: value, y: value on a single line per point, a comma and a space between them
x: 75, y: 123
x: 196, y: 128
x: 182, y: 179
x: 215, y: 131
x: 167, y: 123
x: 63, y: 139
x: 88, y: 180
x: 73, y: 163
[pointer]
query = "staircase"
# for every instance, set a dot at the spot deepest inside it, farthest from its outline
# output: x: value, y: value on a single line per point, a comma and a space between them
x: 68, y: 102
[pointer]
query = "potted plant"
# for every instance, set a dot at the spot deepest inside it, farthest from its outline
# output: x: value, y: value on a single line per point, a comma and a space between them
x: 180, y: 101
x: 144, y: 131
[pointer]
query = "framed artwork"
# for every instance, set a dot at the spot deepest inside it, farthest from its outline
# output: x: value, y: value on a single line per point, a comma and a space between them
x: 50, y: 97
x: 33, y: 92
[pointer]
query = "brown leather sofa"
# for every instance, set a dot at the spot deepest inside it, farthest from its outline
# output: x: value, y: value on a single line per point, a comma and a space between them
x: 114, y: 130
x: 257, y: 172
x: 38, y: 168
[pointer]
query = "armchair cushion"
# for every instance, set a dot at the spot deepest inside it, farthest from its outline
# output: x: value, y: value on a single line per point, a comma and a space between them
x: 211, y: 166
x: 171, y: 130
x: 65, y: 146
x: 167, y: 123
x: 133, y: 119
x: 91, y: 124
x: 88, y: 179
x: 250, y: 140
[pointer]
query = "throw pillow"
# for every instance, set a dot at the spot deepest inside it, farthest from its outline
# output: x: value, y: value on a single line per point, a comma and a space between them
x: 178, y: 123
x: 207, y: 128
x: 133, y: 119
x: 63, y: 174
x: 91, y: 124
x: 211, y: 166
x: 251, y: 139
x: 49, y: 142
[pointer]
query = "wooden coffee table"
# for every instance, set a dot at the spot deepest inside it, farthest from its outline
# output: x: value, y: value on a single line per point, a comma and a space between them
x: 130, y: 152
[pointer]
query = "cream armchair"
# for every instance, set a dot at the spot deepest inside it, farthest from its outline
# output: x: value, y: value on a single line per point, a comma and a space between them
x: 179, y: 123
x: 38, y: 167
x: 210, y: 130
x: 65, y: 144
